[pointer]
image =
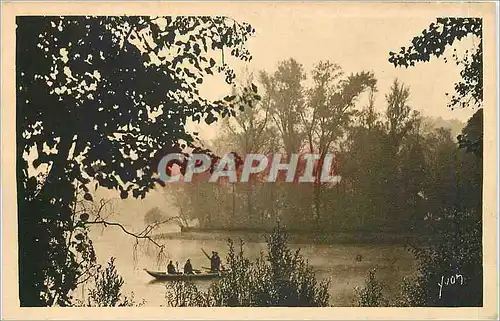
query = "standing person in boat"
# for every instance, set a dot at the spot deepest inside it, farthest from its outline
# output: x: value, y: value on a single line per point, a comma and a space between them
x: 213, y: 263
x: 171, y: 268
x: 188, y: 268
x: 217, y: 262
x: 209, y: 258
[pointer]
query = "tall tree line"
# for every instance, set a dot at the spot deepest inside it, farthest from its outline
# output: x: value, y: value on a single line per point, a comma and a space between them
x: 397, y: 169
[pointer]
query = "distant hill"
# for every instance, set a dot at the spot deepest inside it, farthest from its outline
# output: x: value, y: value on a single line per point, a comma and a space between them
x: 431, y: 123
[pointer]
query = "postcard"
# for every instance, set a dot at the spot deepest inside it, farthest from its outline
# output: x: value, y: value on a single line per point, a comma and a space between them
x: 249, y: 160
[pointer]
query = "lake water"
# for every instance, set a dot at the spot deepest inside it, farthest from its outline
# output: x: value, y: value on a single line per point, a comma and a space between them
x: 335, y: 261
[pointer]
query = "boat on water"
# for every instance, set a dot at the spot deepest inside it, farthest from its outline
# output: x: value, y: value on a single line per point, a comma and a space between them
x: 197, y: 275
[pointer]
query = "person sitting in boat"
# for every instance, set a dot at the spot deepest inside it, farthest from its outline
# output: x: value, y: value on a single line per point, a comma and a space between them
x: 171, y: 268
x: 188, y: 268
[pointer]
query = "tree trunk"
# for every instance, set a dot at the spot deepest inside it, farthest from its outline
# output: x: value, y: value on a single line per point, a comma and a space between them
x: 317, y: 204
x: 249, y: 204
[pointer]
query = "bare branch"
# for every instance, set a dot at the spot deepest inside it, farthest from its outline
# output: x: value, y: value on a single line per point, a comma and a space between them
x: 144, y: 234
x: 87, y: 271
x: 137, y: 236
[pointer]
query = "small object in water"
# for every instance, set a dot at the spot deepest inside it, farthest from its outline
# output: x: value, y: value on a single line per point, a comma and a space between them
x: 359, y: 258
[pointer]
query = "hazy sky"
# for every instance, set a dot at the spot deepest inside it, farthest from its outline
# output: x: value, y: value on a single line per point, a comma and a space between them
x: 356, y: 42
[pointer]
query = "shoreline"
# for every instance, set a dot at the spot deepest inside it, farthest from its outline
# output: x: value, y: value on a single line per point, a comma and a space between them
x: 302, y: 237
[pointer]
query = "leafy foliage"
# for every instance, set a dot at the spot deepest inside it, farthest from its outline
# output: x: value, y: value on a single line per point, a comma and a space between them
x: 249, y: 132
x: 409, y: 293
x: 107, y: 290
x: 285, y: 91
x: 99, y: 101
x: 459, y: 251
x: 154, y: 215
x: 290, y: 118
x: 384, y: 159
x: 400, y: 118
x: 471, y: 138
x: 371, y: 294
x: 185, y: 294
x: 434, y: 40
x: 282, y: 278
x: 105, y: 87
x: 61, y: 255
x: 291, y: 278
x: 457, y: 217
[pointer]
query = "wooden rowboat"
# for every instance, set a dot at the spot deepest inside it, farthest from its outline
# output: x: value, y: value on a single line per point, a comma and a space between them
x: 185, y: 277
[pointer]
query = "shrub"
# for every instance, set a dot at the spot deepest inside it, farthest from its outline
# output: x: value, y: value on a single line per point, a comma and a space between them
x: 371, y: 294
x: 458, y: 252
x: 106, y: 290
x: 184, y: 294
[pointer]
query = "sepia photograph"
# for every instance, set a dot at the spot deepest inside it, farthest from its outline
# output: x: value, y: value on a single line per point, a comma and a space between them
x: 250, y: 155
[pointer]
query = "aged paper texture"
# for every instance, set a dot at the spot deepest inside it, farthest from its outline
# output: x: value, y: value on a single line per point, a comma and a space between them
x: 99, y: 97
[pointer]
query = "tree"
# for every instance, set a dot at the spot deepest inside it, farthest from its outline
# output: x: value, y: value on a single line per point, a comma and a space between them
x: 471, y: 137
x: 154, y: 215
x: 330, y: 104
x: 434, y: 41
x: 250, y: 132
x: 440, y: 152
x: 413, y: 177
x: 458, y: 221
x: 400, y: 118
x: 287, y: 99
x: 106, y: 291
x: 371, y: 294
x: 364, y: 164
x: 100, y: 100
x: 400, y: 122
x: 285, y: 92
x: 320, y: 114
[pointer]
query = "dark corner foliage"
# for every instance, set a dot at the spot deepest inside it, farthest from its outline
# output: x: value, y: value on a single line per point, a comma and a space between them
x: 86, y: 90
